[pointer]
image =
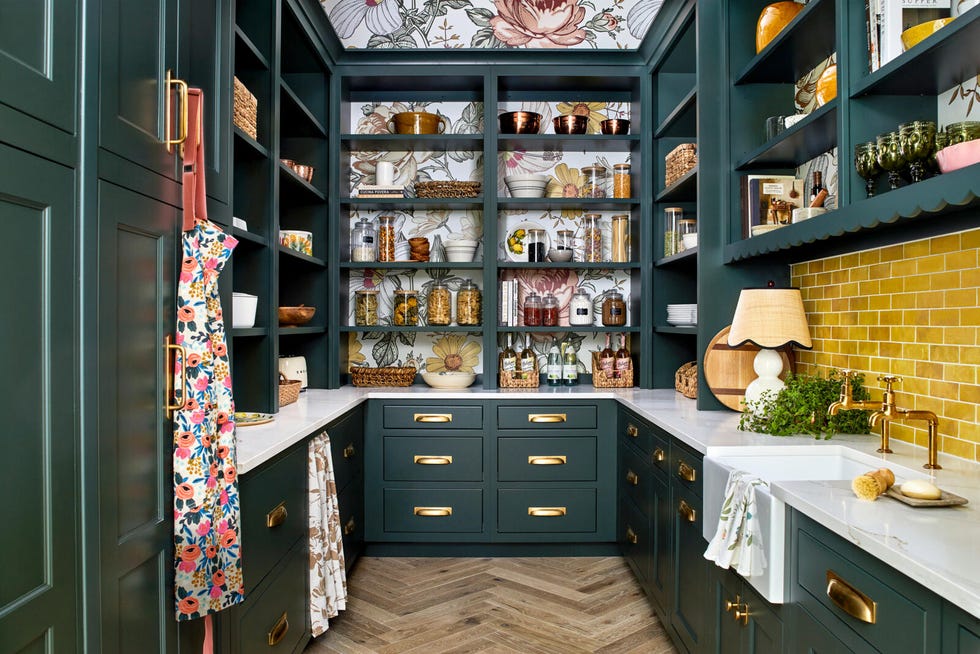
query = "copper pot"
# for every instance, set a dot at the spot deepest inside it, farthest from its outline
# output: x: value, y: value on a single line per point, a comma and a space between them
x: 416, y: 122
x: 519, y: 122
x: 571, y: 124
x: 615, y: 126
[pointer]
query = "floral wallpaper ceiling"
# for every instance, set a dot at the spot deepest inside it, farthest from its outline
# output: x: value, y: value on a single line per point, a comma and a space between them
x: 419, y: 24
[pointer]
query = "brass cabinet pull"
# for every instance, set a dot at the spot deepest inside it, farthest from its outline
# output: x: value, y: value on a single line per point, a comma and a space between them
x: 350, y: 527
x: 631, y: 536
x: 686, y: 472
x: 432, y: 460
x: 556, y: 460
x: 850, y: 600
x: 168, y: 101
x: 276, y: 516
x: 741, y: 612
x: 433, y: 417
x: 547, y: 511
x: 546, y: 417
x: 632, y: 478
x: 689, y: 513
x: 729, y: 605
x: 168, y: 383
x: 659, y: 455
x: 349, y: 451
x: 278, y: 631
x: 632, y: 430
x: 433, y: 511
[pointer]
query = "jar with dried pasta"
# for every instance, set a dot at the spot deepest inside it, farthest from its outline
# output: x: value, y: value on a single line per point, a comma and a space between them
x: 594, y: 185
x: 621, y: 180
x: 386, y: 238
x: 440, y: 304
x: 592, y: 235
x: 468, y: 304
x: 365, y: 307
x: 406, y: 308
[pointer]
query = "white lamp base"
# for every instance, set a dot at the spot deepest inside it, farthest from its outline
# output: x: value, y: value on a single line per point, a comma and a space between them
x: 767, y: 364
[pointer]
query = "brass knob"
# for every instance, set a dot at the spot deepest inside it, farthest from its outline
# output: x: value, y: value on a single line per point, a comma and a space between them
x: 278, y: 631
x: 632, y: 430
x: 687, y: 511
x: 685, y: 472
x: 632, y: 478
x: 631, y: 536
x: 350, y: 527
x: 888, y: 380
x: 659, y: 455
x: 741, y: 612
x: 276, y: 516
x: 349, y: 451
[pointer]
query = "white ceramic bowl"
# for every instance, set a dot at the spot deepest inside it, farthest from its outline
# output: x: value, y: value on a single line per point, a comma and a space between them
x: 559, y: 255
x: 526, y: 186
x: 448, y: 380
x: 690, y: 240
x: 805, y: 213
x: 460, y: 255
x: 461, y: 242
x: 243, y: 310
x: 537, y: 179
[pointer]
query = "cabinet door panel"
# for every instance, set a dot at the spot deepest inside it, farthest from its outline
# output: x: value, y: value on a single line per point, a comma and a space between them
x: 688, y: 616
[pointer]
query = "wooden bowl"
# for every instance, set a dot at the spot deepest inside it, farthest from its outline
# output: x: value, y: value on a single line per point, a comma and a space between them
x: 772, y: 20
x: 296, y: 315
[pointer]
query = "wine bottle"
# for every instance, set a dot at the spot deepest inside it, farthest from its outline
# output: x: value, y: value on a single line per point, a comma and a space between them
x: 569, y: 368
x: 817, y: 192
x: 554, y: 364
x: 607, y: 358
x: 527, y: 360
x: 508, y: 358
x: 623, y: 359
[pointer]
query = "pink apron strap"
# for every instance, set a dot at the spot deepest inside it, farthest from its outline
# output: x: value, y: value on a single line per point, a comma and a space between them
x: 195, y: 193
x: 208, y: 635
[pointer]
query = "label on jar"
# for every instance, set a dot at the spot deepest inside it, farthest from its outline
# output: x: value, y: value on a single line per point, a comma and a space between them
x: 615, y: 311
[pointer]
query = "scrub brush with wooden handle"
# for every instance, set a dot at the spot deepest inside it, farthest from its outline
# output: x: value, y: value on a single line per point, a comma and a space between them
x: 872, y: 484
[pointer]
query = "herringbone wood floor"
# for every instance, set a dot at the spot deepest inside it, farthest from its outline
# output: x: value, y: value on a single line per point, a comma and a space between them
x: 495, y: 605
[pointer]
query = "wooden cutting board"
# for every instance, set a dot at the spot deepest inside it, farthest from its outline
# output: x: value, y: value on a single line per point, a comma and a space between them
x: 728, y: 370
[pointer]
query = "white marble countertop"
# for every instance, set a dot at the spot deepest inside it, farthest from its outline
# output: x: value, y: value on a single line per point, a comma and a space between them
x: 938, y: 548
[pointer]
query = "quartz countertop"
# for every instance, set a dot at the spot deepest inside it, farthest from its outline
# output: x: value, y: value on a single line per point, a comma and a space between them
x: 936, y: 547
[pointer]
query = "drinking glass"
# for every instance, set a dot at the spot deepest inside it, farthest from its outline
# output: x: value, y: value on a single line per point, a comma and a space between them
x: 917, y: 140
x: 891, y: 157
x: 866, y: 165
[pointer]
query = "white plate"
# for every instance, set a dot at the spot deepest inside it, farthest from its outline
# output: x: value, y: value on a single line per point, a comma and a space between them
x: 522, y: 256
x: 244, y: 419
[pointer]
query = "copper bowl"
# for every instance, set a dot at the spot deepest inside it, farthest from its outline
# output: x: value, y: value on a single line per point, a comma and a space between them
x: 416, y: 122
x: 296, y: 315
x: 615, y: 126
x: 304, y: 171
x: 571, y: 124
x: 519, y: 122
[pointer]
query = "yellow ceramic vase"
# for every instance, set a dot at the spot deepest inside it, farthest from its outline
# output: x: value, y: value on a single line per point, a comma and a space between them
x: 772, y: 20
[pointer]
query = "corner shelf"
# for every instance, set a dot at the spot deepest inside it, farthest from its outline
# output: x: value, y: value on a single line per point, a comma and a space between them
x: 801, y: 45
x: 257, y: 148
x: 302, y: 257
x: 248, y: 237
x: 684, y: 189
x: 682, y: 121
x: 294, y: 112
x: 813, y: 135
x: 689, y: 255
x: 246, y: 51
x: 300, y: 183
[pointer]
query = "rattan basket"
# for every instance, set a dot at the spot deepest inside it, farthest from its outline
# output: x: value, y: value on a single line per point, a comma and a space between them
x: 388, y: 376
x: 686, y: 380
x: 507, y: 379
x: 679, y: 161
x: 245, y: 114
x: 601, y: 380
x: 447, y: 189
x: 288, y: 390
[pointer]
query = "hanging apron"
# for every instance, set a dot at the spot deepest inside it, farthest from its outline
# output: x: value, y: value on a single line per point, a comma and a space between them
x: 207, y: 524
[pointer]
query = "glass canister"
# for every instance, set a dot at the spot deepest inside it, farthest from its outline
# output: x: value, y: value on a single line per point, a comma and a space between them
x: 386, y: 238
x: 621, y: 180
x: 365, y: 307
x: 672, y: 240
x: 440, y: 304
x: 685, y: 226
x: 580, y: 308
x: 532, y: 310
x: 363, y: 242
x: 595, y: 182
x: 406, y: 312
x: 614, y: 310
x: 468, y: 304
x: 620, y: 238
x: 592, y: 235
x: 536, y: 245
x: 549, y: 311
x: 565, y: 241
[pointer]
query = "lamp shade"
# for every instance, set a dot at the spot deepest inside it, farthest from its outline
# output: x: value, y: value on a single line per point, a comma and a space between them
x: 770, y: 318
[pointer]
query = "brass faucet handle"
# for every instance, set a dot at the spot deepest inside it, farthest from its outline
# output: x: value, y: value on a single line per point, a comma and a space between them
x: 888, y: 380
x: 847, y: 373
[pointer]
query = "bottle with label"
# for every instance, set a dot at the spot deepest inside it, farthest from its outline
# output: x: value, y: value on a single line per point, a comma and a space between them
x: 607, y: 358
x: 508, y: 358
x: 569, y: 368
x: 554, y: 364
x: 580, y: 308
x: 817, y: 186
x: 527, y: 360
x: 623, y: 358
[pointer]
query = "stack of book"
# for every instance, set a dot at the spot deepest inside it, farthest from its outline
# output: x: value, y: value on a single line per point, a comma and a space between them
x: 508, y: 303
x: 379, y: 192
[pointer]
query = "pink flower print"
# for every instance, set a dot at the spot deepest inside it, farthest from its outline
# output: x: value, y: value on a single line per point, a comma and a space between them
x: 201, y: 383
x: 182, y: 453
x: 186, y: 566
x: 204, y: 528
x: 539, y: 23
x: 222, y: 527
x: 227, y: 381
x: 215, y: 592
x: 186, y: 277
x: 212, y: 482
x: 179, y: 338
x: 223, y: 499
x: 197, y: 417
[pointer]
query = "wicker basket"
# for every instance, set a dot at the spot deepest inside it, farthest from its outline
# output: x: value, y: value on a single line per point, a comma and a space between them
x: 246, y: 110
x: 679, y: 161
x: 601, y: 380
x: 389, y: 376
x: 507, y: 379
x: 288, y: 390
x: 686, y: 380
x: 447, y: 189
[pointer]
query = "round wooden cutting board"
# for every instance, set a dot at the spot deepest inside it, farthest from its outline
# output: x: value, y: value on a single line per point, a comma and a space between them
x: 728, y: 370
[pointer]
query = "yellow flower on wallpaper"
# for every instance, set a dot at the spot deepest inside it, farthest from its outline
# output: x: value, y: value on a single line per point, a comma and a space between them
x: 590, y: 109
x: 566, y: 183
x: 354, y: 355
x: 454, y: 354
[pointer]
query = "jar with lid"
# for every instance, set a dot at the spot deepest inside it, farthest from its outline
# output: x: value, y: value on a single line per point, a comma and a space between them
x: 386, y: 238
x: 440, y: 304
x: 406, y: 308
x: 365, y: 307
x: 536, y: 245
x: 363, y: 242
x: 468, y: 304
x: 565, y: 241
x: 620, y: 238
x: 592, y: 236
x: 532, y: 310
x: 614, y: 310
x: 549, y: 311
x: 580, y: 308
x: 594, y: 185
x: 672, y: 240
x: 685, y: 226
x: 621, y: 180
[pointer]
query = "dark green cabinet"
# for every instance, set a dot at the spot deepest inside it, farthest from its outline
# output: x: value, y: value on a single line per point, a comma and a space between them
x: 689, y: 593
x: 807, y: 636
x: 347, y: 451
x: 961, y: 631
x: 743, y: 622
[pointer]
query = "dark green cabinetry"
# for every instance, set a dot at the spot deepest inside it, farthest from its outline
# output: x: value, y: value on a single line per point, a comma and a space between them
x: 347, y: 451
x: 961, y: 631
x: 808, y: 636
x: 743, y: 623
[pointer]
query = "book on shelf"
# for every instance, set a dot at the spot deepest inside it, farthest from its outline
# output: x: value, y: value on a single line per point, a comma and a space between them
x: 769, y: 200
x: 375, y: 191
x: 507, y: 308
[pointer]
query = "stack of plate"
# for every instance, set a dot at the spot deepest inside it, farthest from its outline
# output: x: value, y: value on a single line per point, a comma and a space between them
x: 682, y: 314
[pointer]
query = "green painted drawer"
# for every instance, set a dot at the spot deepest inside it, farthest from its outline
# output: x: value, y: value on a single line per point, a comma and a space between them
x: 347, y: 448
x: 414, y: 416
x: 636, y: 542
x: 279, y: 611
x: 559, y: 510
x: 416, y: 510
x: 549, y: 416
x: 686, y: 468
x: 562, y: 458
x: 274, y: 512
x: 351, y: 501
x: 636, y: 479
x: 434, y: 458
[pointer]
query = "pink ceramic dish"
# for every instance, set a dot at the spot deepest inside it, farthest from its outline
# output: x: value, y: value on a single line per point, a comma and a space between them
x: 959, y: 156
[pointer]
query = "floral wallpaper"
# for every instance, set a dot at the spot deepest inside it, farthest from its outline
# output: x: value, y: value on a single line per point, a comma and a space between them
x: 826, y: 163
x: 959, y: 103
x: 416, y: 24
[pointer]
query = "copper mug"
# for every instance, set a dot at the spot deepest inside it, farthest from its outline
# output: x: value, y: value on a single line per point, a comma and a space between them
x: 416, y: 122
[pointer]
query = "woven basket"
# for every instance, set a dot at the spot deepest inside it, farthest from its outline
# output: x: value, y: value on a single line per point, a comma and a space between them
x: 447, y: 189
x: 288, y: 390
x: 601, y: 380
x: 679, y: 161
x: 388, y: 376
x: 245, y: 114
x: 507, y: 379
x: 686, y: 380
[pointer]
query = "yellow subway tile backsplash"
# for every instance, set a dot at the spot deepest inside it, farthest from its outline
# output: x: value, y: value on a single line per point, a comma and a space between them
x: 960, y: 411
x: 870, y: 287
x: 961, y: 297
x: 942, y: 281
x: 857, y: 303
x: 891, y: 253
x: 890, y: 350
x: 945, y: 353
x: 916, y: 351
x: 916, y: 249
x: 948, y: 392
x: 970, y: 278
x: 850, y: 260
x: 929, y: 299
x: 960, y: 335
x: 961, y: 259
x: 970, y: 239
x: 960, y: 373
x: 857, y: 274
x: 942, y: 244
x: 970, y: 317
x: 903, y: 367
x: 929, y: 369
x: 970, y: 393
x: 901, y: 300
x: 930, y: 264
x: 958, y: 447
x: 944, y: 318
x: 880, y: 271
x: 892, y: 285
x: 917, y: 283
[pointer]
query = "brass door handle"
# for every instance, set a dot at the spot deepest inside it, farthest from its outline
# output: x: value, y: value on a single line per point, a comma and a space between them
x: 433, y: 417
x: 350, y: 527
x: 432, y: 460
x: 167, y: 118
x: 276, y: 516
x: 689, y: 513
x: 556, y: 460
x: 433, y: 511
x: 631, y: 536
x: 729, y: 605
x: 168, y: 383
x: 659, y: 455
x: 741, y: 612
x: 349, y: 451
x: 850, y: 600
x: 546, y: 511
x: 278, y: 631
x: 546, y: 417
x: 632, y: 430
x: 632, y: 478
x: 686, y: 472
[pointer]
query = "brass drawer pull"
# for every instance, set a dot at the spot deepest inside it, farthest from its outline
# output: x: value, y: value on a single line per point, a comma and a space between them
x: 432, y: 460
x: 631, y: 536
x: 740, y: 611
x: 546, y: 417
x: 433, y: 417
x: 349, y: 451
x: 686, y: 472
x: 632, y: 478
x: 168, y: 381
x: 279, y: 630
x: 685, y: 510
x: 850, y: 600
x: 632, y: 430
x: 659, y: 455
x: 276, y: 516
x: 350, y: 527
x: 433, y: 511
x: 556, y: 460
x: 547, y: 511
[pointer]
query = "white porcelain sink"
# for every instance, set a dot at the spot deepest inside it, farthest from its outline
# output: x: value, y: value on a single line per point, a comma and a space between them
x: 774, y: 464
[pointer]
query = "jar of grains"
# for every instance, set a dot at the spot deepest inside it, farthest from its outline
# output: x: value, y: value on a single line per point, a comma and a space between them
x: 386, y: 238
x: 468, y: 304
x: 614, y: 310
x: 592, y: 235
x: 580, y: 308
x: 406, y: 308
x: 594, y: 185
x: 621, y: 180
x: 440, y: 304
x: 363, y: 242
x: 365, y: 307
x: 672, y: 240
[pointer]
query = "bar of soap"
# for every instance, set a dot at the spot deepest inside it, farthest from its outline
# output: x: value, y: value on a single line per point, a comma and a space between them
x: 920, y: 489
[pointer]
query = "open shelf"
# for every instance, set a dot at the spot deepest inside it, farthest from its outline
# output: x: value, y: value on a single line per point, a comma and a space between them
x: 412, y: 265
x: 591, y: 329
x: 357, y: 329
x: 812, y: 136
x: 405, y: 204
x: 296, y: 116
x: 247, y: 236
x: 299, y: 183
x: 574, y: 142
x: 677, y: 329
x: 254, y: 147
x: 302, y: 257
x: 687, y: 256
x: 797, y: 49
x: 559, y: 204
x: 245, y: 332
x: 247, y: 54
x: 302, y: 329
x: 682, y: 120
x: 405, y: 142
x: 574, y: 265
x: 684, y: 189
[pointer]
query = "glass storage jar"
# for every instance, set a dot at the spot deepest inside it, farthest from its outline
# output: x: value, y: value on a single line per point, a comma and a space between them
x: 363, y: 242
x: 620, y: 238
x: 592, y: 235
x: 386, y: 238
x: 536, y: 245
x: 565, y: 241
x: 549, y: 311
x: 468, y: 304
x: 685, y: 226
x: 614, y: 310
x: 365, y: 307
x: 440, y: 304
x: 621, y: 180
x: 406, y: 311
x: 672, y: 240
x: 532, y: 310
x: 580, y: 308
x: 594, y: 185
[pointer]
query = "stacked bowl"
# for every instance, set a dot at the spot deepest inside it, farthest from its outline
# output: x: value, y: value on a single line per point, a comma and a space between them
x: 526, y: 186
x: 682, y: 314
x: 460, y: 249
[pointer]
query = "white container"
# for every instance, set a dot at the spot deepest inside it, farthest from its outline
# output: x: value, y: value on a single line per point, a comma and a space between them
x: 459, y: 253
x: 243, y: 310
x: 580, y: 308
x: 806, y: 213
x: 690, y: 240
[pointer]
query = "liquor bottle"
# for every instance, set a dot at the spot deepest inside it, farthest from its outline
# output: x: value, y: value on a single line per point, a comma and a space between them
x: 554, y: 364
x: 508, y: 358
x: 607, y: 358
x: 569, y: 368
x: 527, y: 360
x: 817, y: 186
x: 623, y: 359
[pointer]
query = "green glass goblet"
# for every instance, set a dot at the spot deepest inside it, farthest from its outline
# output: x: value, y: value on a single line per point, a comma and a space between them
x: 917, y: 140
x: 940, y: 141
x: 890, y: 157
x: 866, y: 165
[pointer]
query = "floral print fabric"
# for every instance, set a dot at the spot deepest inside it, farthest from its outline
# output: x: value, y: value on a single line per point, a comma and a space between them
x: 206, y: 504
x: 328, y: 576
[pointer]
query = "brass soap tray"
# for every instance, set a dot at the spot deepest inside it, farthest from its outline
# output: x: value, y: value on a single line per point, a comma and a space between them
x: 946, y: 499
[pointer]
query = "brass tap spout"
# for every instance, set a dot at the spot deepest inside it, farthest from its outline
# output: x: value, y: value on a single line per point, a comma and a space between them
x: 846, y: 401
x: 889, y: 412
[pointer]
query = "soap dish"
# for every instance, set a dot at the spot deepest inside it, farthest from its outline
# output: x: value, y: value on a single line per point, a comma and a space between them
x: 946, y: 499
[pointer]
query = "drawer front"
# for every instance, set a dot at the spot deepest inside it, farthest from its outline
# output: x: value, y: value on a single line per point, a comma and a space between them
x: 347, y: 448
x: 274, y: 513
x: 635, y: 541
x: 351, y: 501
x: 276, y: 620
x: 560, y: 510
x: 636, y: 479
x: 686, y: 468
x: 546, y: 459
x: 433, y: 510
x: 407, y: 416
x: 547, y: 417
x: 433, y: 458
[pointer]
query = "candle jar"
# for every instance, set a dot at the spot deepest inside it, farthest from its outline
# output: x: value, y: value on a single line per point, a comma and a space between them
x: 614, y: 310
x: 406, y: 308
x: 536, y: 245
x: 549, y: 311
x: 468, y: 304
x: 580, y: 308
x: 532, y: 310
x: 365, y: 307
x: 620, y: 238
x: 592, y: 234
x: 621, y: 180
x: 672, y: 240
x: 363, y: 242
x: 440, y: 304
x: 386, y: 238
x: 595, y: 182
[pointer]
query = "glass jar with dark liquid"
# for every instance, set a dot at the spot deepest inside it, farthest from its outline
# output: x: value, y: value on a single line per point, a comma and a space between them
x: 537, y: 248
